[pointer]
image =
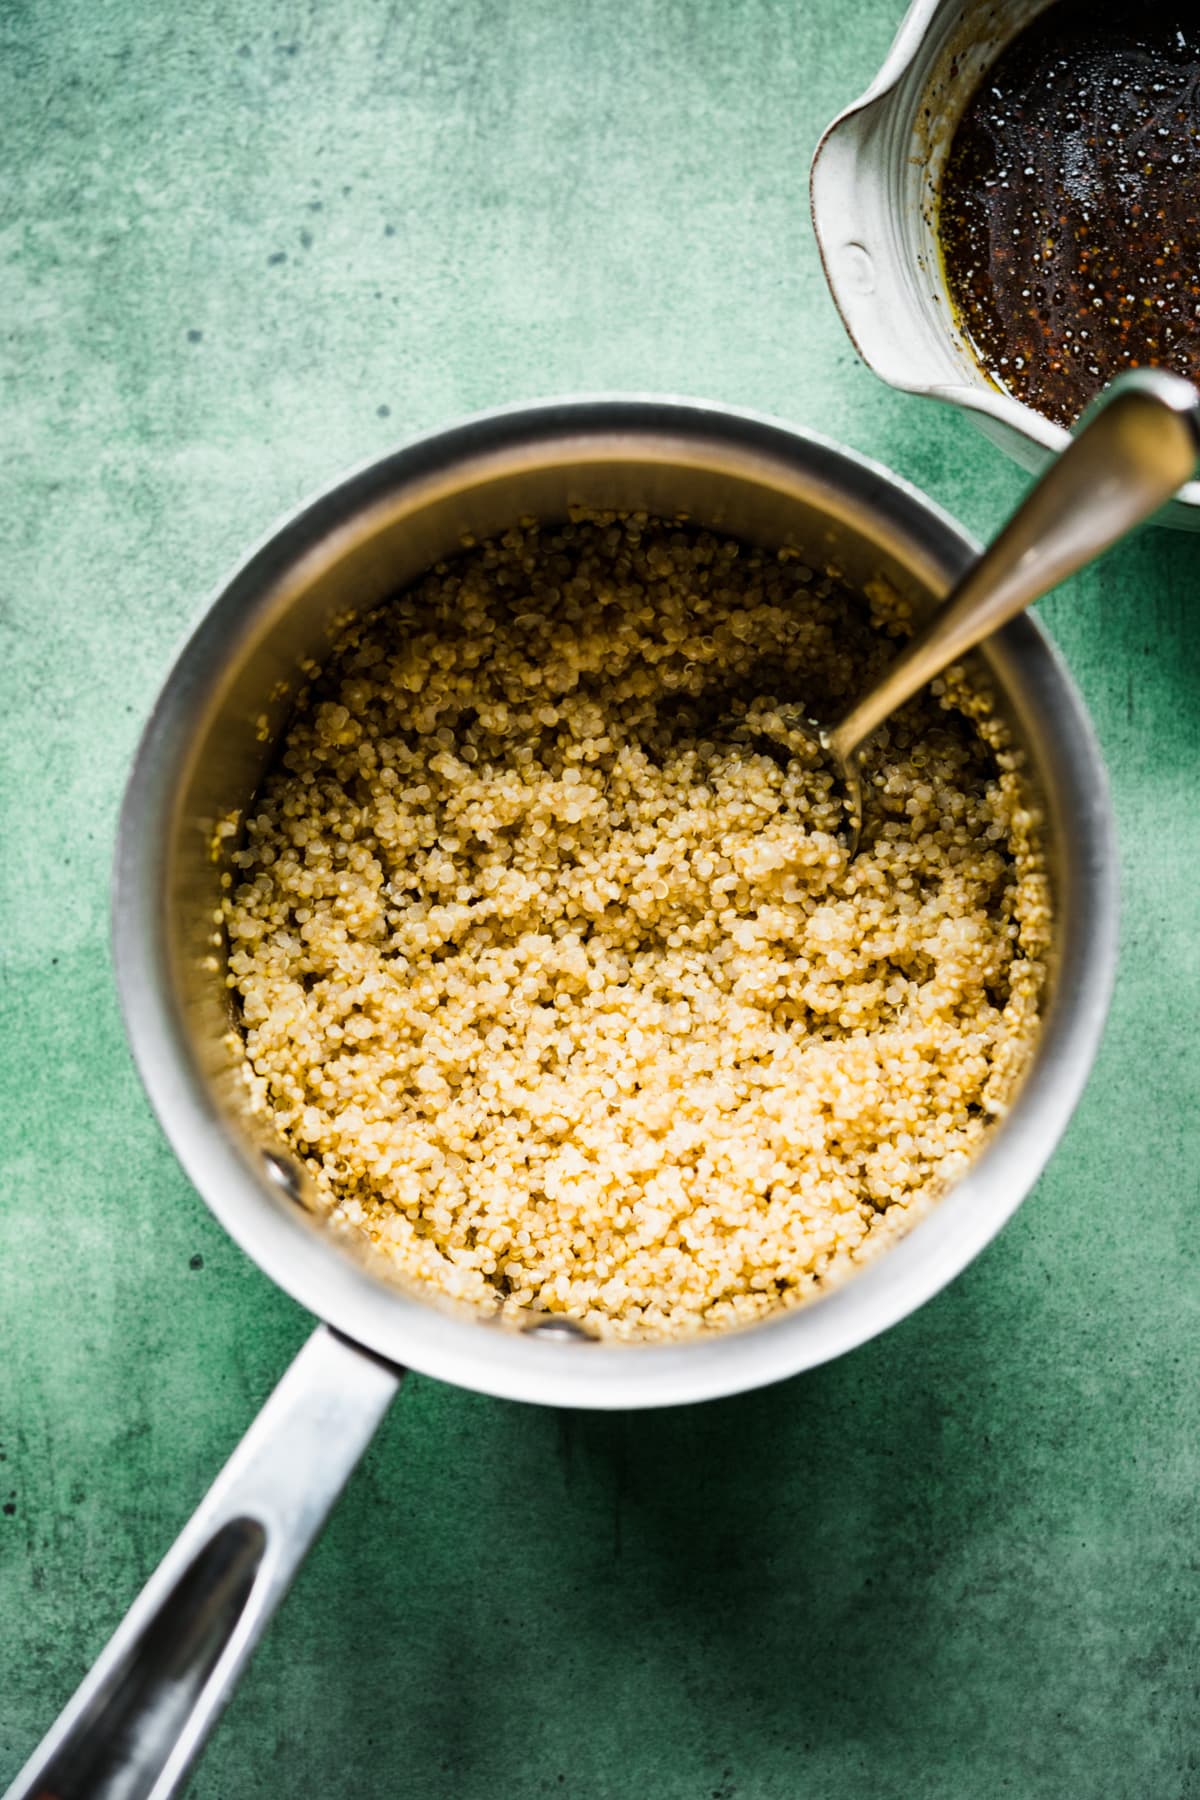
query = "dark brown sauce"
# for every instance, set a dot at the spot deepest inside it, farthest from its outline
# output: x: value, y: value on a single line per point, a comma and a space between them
x: 1070, y: 205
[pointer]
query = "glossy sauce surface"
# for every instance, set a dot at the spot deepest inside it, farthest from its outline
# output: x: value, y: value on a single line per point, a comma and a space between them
x: 1070, y: 205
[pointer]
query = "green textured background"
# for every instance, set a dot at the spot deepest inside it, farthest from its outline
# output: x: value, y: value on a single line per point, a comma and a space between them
x: 241, y: 248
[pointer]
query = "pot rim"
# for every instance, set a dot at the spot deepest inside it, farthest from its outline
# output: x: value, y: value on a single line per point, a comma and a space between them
x: 541, y: 1368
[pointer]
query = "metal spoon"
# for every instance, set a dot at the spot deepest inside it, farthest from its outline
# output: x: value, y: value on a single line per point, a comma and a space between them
x: 1135, y: 449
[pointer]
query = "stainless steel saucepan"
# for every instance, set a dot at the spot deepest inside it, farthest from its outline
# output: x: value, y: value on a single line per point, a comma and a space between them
x: 140, y: 1717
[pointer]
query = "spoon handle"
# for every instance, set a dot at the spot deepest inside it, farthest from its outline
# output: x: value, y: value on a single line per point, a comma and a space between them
x: 1135, y: 450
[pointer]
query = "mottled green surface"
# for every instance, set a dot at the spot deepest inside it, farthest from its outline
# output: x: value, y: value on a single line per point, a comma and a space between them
x: 241, y: 248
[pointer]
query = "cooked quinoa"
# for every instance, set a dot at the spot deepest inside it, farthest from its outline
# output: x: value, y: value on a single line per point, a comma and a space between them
x: 562, y: 984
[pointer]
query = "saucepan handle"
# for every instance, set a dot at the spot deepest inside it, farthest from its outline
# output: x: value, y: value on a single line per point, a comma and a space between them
x: 141, y: 1716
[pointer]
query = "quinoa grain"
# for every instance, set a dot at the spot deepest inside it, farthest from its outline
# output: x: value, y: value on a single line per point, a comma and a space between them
x: 568, y: 995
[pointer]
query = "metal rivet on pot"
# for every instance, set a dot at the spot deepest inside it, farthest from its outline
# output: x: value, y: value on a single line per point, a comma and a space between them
x: 284, y: 1174
x: 561, y: 1331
